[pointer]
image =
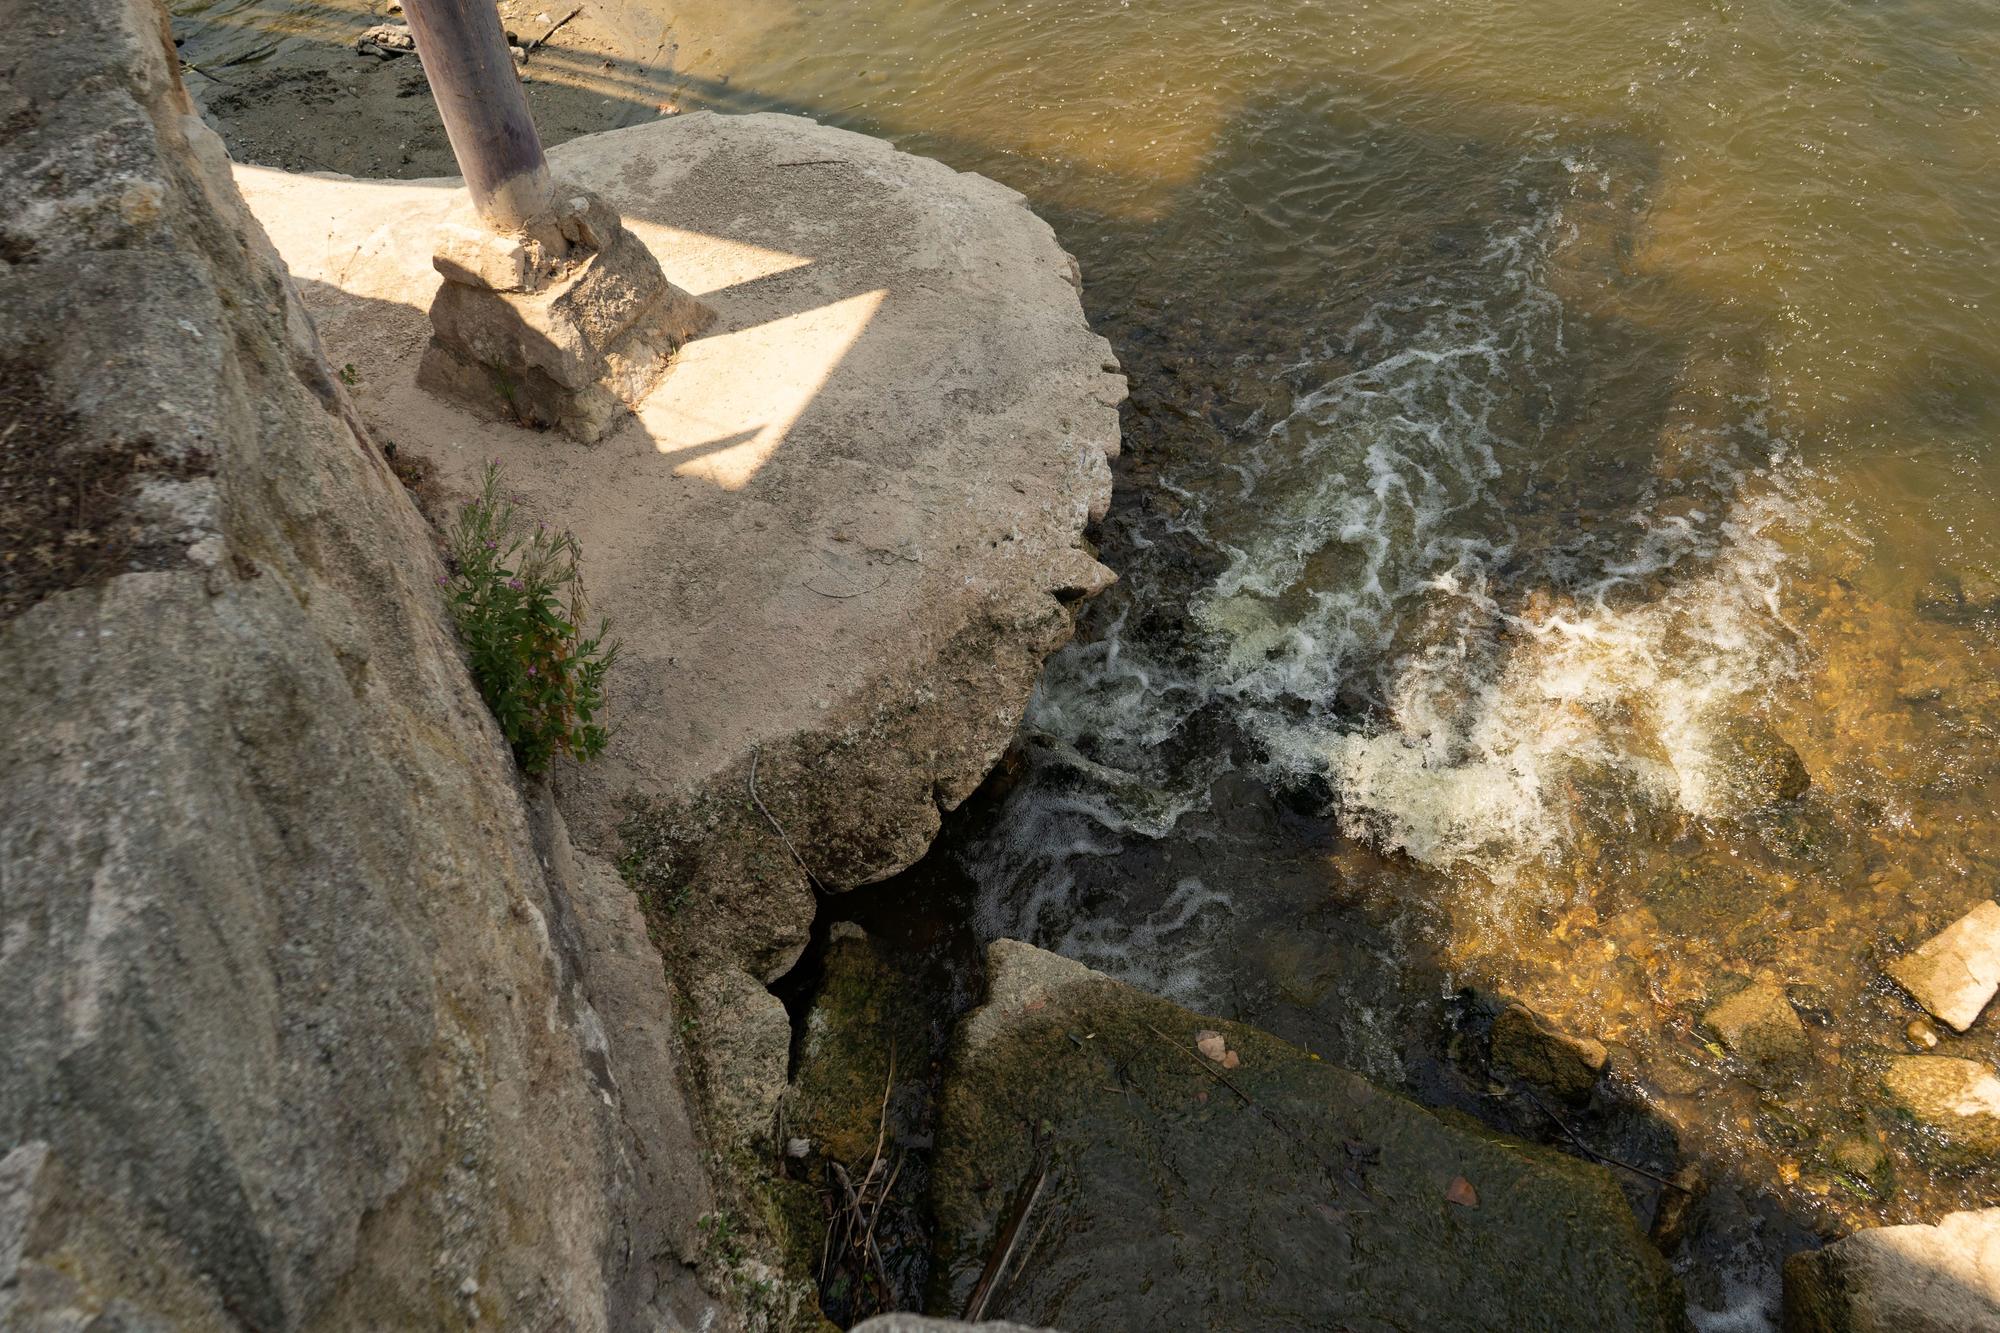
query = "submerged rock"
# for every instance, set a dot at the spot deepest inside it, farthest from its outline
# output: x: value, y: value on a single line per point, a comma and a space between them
x: 1760, y: 1027
x: 1955, y: 973
x: 1526, y: 1043
x: 1910, y: 1279
x: 1959, y: 594
x: 1761, y: 766
x: 1958, y: 1100
x: 1096, y: 1170
x: 864, y: 1029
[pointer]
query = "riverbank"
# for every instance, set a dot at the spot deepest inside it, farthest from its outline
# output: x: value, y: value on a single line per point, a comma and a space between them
x: 1500, y: 620
x: 326, y: 1015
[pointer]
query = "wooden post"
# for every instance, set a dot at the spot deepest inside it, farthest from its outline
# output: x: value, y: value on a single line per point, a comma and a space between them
x: 478, y: 94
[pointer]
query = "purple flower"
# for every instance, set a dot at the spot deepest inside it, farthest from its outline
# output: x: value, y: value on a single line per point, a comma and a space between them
x: 493, y: 546
x: 531, y: 671
x: 443, y: 582
x: 515, y: 584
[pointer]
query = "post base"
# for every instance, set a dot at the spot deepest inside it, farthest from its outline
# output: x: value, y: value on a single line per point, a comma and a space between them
x: 568, y: 338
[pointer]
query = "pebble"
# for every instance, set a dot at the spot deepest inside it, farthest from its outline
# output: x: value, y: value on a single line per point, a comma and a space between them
x: 1921, y: 1034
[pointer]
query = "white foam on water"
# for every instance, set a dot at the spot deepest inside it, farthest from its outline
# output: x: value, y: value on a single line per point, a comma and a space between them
x: 1483, y: 768
x: 1752, y: 1295
x: 1368, y: 551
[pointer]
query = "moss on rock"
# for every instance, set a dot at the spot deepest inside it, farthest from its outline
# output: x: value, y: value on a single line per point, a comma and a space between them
x: 863, y: 1024
x: 1204, y: 1174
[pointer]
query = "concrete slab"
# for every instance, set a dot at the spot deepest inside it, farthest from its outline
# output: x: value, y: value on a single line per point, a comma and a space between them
x: 895, y: 434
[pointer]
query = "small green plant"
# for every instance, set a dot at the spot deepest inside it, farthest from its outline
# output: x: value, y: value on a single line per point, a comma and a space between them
x: 721, y: 1232
x: 661, y: 847
x: 349, y: 375
x: 520, y: 608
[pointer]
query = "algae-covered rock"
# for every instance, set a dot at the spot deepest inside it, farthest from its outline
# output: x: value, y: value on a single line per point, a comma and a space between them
x: 864, y: 1019
x: 1760, y: 1027
x: 1200, y: 1174
x: 1526, y: 1043
x: 1909, y: 1279
x: 1957, y: 1100
x: 858, y: 1117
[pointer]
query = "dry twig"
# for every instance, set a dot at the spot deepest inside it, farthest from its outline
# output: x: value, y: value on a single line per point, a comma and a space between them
x: 1006, y: 1242
x: 783, y: 837
x: 574, y: 11
x: 1589, y: 1151
x: 851, y: 1227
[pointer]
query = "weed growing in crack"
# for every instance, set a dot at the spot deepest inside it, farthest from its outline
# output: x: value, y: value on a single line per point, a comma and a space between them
x: 520, y: 609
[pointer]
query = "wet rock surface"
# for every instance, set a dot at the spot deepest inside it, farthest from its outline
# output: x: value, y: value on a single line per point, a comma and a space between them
x: 1761, y: 767
x: 1956, y: 1100
x: 865, y: 1033
x: 1169, y: 1189
x: 859, y: 1120
x: 1530, y: 1046
x: 1759, y: 1026
x: 1955, y: 973
x: 1906, y: 1279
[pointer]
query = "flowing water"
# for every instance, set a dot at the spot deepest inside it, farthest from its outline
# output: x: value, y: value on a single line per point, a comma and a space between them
x: 1547, y: 420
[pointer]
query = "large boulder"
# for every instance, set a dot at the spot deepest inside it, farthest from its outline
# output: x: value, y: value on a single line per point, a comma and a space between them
x: 1109, y: 1160
x: 1909, y: 1279
x: 310, y: 1017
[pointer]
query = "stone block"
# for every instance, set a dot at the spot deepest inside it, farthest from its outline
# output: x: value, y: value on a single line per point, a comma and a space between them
x: 1956, y: 1100
x: 1955, y: 973
x: 1908, y: 1279
x: 569, y: 347
x: 471, y: 256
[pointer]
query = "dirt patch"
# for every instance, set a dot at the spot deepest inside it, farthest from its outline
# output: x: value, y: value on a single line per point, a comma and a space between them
x: 419, y: 477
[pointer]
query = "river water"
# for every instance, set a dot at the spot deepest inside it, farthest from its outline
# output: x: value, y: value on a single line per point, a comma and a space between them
x: 1547, y: 419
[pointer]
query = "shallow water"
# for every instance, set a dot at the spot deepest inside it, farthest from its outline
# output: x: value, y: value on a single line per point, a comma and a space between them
x: 1538, y: 408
